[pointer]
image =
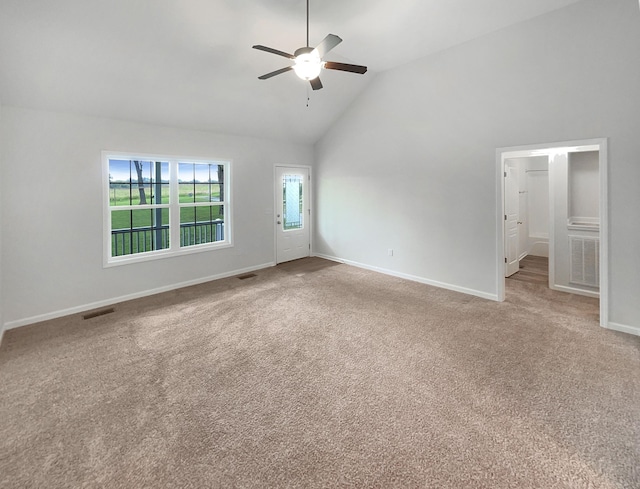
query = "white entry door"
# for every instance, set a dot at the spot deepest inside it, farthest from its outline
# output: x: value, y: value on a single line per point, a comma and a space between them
x: 512, y: 211
x: 292, y: 213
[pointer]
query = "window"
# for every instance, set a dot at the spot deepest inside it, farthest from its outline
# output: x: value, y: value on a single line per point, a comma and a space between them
x: 161, y: 206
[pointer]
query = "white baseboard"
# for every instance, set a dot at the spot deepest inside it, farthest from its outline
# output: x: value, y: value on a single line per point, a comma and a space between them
x: 576, y: 291
x: 145, y: 293
x: 634, y: 330
x: 414, y: 278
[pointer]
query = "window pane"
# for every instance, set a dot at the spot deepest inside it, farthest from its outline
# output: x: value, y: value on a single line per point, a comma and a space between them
x: 160, y: 183
x: 201, y: 224
x: 119, y: 194
x: 138, y: 231
x: 199, y: 182
x: 135, y: 182
x: 185, y: 193
x: 140, y: 182
x: 163, y: 196
x: 292, y: 201
x: 202, y: 192
x: 186, y: 173
x: 216, y: 193
x: 202, y: 173
x: 120, y: 220
x: 119, y: 182
x: 187, y: 215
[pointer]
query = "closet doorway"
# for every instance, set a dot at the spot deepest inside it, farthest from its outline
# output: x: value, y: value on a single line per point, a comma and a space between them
x: 553, y: 206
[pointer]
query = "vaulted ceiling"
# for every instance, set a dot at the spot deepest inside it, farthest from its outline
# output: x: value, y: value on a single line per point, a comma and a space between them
x: 189, y: 63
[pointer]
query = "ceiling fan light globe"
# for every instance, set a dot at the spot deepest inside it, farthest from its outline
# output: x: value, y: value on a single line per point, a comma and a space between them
x: 308, y: 66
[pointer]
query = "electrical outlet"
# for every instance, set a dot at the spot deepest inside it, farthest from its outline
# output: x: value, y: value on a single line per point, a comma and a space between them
x: 390, y: 252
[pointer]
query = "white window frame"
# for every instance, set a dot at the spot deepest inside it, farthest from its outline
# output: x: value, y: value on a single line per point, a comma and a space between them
x: 174, y: 209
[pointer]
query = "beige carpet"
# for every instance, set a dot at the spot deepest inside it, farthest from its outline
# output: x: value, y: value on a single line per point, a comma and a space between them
x: 323, y: 375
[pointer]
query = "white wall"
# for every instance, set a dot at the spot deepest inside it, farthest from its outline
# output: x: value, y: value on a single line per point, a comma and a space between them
x: 584, y: 186
x: 52, y: 225
x: 411, y: 164
x: 1, y: 227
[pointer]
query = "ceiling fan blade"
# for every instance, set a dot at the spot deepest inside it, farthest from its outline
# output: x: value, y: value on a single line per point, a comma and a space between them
x: 274, y: 51
x: 316, y: 84
x: 274, y: 73
x: 327, y: 44
x: 332, y: 65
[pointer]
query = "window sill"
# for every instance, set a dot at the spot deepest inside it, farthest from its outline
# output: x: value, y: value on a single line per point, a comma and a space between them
x: 164, y: 254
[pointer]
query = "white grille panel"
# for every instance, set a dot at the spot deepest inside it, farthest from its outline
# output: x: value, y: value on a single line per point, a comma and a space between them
x: 584, y: 261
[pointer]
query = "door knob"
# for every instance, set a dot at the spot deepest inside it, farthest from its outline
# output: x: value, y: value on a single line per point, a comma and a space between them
x: 279, y: 222
x: 519, y: 222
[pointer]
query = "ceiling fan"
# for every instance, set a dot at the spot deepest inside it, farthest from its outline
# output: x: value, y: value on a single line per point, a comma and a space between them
x: 309, y: 61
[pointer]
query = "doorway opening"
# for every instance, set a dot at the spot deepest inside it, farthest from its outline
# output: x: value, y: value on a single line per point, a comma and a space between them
x: 553, y: 206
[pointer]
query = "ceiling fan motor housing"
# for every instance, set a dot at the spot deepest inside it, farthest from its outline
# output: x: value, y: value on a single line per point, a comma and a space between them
x: 303, y: 50
x: 308, y: 63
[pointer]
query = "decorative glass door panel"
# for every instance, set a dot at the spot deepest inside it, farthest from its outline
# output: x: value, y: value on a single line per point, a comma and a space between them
x: 292, y: 200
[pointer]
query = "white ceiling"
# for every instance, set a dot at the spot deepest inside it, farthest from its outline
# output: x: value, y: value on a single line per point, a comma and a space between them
x: 189, y: 63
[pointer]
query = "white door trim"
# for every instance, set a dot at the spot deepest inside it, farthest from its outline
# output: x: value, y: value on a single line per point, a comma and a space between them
x: 539, y: 149
x: 310, y: 216
x: 511, y: 219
